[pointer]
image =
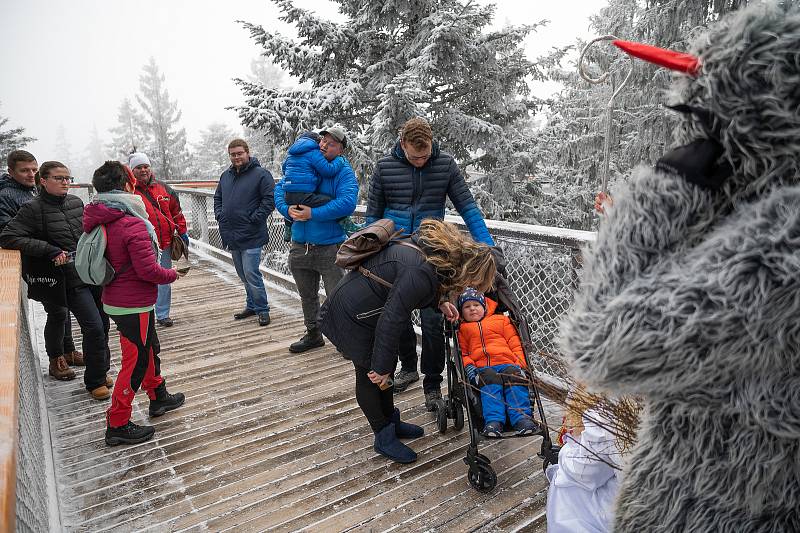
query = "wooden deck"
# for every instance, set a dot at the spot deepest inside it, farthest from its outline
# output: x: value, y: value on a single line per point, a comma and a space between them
x: 268, y: 440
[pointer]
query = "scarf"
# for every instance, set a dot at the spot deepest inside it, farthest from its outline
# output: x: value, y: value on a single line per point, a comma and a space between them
x: 131, y: 204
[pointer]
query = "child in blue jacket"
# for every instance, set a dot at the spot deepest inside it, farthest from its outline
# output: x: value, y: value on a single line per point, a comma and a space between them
x: 303, y: 169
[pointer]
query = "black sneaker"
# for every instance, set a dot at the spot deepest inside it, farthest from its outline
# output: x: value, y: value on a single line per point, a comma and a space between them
x: 165, y: 322
x: 403, y: 379
x: 165, y: 401
x: 247, y: 313
x: 526, y: 426
x: 312, y: 339
x: 130, y: 433
x: 432, y: 399
x: 493, y: 430
x: 263, y: 319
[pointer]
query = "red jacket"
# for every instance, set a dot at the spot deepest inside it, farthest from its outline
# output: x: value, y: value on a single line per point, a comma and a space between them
x: 491, y: 341
x: 131, y: 253
x: 169, y: 214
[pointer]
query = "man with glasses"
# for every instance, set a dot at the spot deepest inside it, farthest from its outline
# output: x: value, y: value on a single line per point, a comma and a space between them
x: 243, y: 202
x: 317, y: 234
x: 165, y: 214
x: 410, y: 184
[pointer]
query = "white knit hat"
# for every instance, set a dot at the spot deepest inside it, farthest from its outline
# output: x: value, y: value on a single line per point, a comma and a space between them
x: 137, y: 159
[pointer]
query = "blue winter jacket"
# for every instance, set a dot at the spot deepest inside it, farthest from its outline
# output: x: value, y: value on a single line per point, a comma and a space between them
x: 305, y: 165
x: 243, y: 202
x: 323, y: 227
x: 407, y: 194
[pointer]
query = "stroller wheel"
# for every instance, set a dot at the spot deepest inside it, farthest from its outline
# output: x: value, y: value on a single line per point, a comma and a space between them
x: 482, y: 477
x: 459, y: 416
x: 441, y: 417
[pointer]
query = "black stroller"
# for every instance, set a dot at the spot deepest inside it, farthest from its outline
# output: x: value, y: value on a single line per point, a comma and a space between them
x: 481, y: 475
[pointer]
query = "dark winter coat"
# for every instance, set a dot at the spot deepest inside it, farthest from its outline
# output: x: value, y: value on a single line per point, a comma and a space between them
x: 131, y: 253
x: 168, y: 216
x: 305, y: 165
x: 46, y: 226
x: 12, y: 195
x: 407, y: 194
x: 365, y: 320
x: 243, y: 202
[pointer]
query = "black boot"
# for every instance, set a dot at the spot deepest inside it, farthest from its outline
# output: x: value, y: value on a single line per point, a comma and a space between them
x: 386, y: 444
x: 404, y: 430
x: 312, y: 339
x: 130, y: 433
x: 165, y: 401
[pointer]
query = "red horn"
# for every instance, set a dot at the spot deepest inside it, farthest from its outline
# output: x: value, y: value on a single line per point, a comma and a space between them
x: 670, y: 59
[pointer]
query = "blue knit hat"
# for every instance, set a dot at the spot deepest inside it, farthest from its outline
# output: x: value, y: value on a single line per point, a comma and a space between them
x: 471, y: 294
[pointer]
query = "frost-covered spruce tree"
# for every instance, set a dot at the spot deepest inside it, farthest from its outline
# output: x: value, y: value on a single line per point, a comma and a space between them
x: 211, y: 152
x: 392, y: 60
x: 11, y: 139
x: 570, y: 147
x: 161, y: 115
x: 129, y: 135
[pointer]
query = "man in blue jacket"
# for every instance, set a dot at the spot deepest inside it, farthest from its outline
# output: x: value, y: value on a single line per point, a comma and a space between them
x: 410, y: 184
x: 316, y: 235
x: 243, y: 203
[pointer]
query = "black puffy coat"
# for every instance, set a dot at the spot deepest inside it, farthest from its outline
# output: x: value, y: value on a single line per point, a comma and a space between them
x: 12, y: 195
x: 365, y: 320
x: 407, y: 194
x: 44, y: 227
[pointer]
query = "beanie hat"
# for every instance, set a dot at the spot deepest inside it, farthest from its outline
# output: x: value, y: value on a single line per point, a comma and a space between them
x: 471, y: 294
x: 138, y: 158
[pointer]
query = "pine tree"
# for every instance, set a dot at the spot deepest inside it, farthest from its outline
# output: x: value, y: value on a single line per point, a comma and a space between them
x: 63, y: 149
x: 393, y: 60
x: 569, y: 149
x: 11, y: 139
x: 167, y: 152
x: 211, y: 152
x: 129, y: 135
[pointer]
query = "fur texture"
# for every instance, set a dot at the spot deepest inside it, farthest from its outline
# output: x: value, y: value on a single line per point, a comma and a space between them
x: 690, y: 299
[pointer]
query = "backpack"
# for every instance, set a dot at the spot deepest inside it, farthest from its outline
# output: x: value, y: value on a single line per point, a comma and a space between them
x: 367, y: 242
x: 90, y: 258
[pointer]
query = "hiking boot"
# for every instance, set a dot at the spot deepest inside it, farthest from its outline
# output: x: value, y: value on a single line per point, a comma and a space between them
x: 432, y: 399
x: 100, y: 393
x: 59, y: 369
x: 74, y: 358
x: 263, y: 319
x: 312, y: 339
x: 165, y: 401
x: 109, y: 381
x: 247, y: 313
x: 493, y: 430
x: 403, y: 379
x: 526, y: 426
x: 404, y: 430
x: 130, y: 433
x: 386, y: 444
x: 165, y: 322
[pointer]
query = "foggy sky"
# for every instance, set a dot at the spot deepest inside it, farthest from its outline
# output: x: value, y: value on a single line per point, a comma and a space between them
x: 71, y: 62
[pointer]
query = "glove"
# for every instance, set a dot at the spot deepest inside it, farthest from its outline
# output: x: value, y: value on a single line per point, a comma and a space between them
x: 696, y: 162
x: 472, y: 374
x: 185, y: 238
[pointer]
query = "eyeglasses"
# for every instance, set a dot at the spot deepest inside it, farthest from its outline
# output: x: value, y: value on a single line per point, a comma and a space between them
x: 424, y: 157
x: 62, y: 179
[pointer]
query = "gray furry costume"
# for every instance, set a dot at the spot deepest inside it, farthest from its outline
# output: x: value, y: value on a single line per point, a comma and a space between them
x: 690, y: 298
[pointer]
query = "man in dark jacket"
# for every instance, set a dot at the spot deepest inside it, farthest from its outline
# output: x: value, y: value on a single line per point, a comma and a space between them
x: 18, y: 186
x: 46, y: 230
x: 410, y: 184
x: 165, y: 214
x: 243, y: 202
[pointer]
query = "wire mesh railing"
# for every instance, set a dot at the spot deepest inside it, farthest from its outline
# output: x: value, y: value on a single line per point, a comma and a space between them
x: 542, y: 266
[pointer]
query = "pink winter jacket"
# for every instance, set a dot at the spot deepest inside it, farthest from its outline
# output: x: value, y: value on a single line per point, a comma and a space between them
x: 130, y: 252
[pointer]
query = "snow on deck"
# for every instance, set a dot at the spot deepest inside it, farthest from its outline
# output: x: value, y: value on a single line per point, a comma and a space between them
x: 269, y: 440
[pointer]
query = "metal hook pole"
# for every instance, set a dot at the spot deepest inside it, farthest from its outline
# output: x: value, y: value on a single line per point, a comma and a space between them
x: 609, y: 105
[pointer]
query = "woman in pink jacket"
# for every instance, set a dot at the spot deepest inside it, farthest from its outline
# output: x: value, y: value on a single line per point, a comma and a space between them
x: 132, y: 250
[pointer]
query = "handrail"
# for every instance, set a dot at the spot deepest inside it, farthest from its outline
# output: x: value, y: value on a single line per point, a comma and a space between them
x: 10, y: 317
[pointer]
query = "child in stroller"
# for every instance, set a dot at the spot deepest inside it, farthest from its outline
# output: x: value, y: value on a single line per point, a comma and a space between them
x: 494, y: 362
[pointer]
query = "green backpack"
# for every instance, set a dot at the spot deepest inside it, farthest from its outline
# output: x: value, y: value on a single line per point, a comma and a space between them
x: 90, y: 258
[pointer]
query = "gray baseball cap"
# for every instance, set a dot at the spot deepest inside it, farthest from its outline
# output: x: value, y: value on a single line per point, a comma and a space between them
x: 337, y: 132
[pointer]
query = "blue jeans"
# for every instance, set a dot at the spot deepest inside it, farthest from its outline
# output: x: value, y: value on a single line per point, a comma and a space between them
x: 504, y: 391
x: 247, y: 263
x: 164, y: 291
